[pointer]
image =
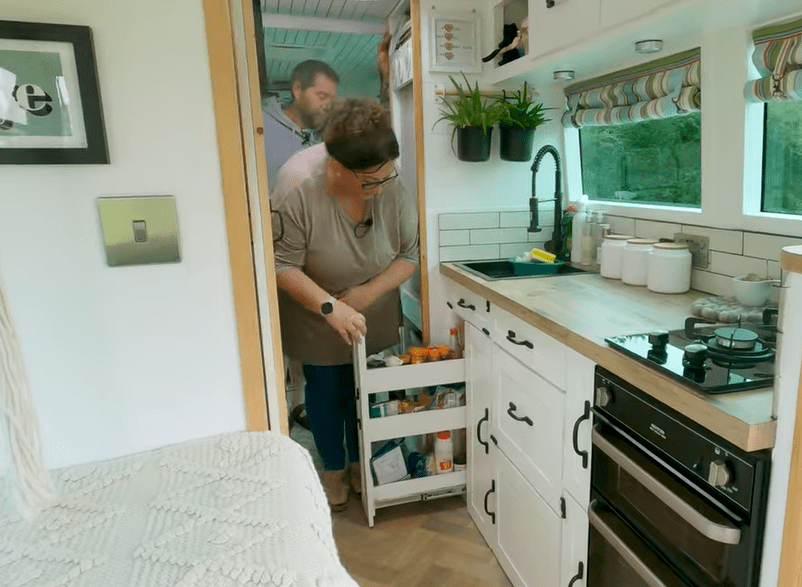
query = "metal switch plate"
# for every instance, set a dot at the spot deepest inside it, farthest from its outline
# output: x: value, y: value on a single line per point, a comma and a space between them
x: 699, y: 247
x: 139, y: 230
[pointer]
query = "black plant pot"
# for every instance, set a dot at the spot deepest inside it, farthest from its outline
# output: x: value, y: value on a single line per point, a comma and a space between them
x: 473, y: 144
x: 516, y: 143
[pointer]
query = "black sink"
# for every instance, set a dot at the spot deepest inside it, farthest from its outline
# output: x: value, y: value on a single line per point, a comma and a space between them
x: 504, y: 269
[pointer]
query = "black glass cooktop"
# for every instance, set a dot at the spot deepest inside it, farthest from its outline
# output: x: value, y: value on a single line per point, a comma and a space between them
x: 713, y: 358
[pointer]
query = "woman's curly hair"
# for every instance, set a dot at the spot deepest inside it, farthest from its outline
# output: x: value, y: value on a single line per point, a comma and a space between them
x: 358, y: 133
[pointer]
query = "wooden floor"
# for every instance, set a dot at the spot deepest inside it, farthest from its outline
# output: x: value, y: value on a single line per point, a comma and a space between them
x: 422, y: 544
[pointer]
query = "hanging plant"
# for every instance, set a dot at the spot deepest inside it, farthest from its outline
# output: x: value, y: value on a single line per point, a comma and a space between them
x: 519, y: 117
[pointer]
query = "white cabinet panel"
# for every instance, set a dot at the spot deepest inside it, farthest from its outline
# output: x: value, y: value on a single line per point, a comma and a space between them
x: 528, y: 421
x: 481, y: 452
x: 578, y: 400
x: 615, y: 12
x: 469, y: 306
x: 563, y: 24
x: 529, y: 539
x: 574, y: 560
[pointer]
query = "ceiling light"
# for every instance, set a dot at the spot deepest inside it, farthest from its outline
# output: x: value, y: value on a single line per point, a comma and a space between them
x: 564, y: 74
x: 649, y: 46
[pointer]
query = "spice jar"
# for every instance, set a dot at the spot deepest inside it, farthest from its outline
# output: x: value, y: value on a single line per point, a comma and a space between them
x: 611, y: 250
x: 635, y: 261
x: 669, y: 268
x: 418, y: 355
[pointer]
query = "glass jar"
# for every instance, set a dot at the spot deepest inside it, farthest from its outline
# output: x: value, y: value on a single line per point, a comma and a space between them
x: 611, y: 250
x: 669, y: 268
x: 635, y: 261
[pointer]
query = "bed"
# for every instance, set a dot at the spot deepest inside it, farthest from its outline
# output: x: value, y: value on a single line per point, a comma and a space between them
x: 237, y: 509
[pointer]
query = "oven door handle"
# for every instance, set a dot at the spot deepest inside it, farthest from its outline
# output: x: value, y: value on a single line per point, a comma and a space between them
x: 714, y: 531
x: 635, y: 563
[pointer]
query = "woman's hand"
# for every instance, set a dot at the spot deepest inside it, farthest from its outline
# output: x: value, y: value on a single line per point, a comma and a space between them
x: 359, y: 298
x: 347, y: 321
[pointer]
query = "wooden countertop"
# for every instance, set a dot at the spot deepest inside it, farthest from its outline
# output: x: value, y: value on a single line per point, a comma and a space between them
x: 580, y: 310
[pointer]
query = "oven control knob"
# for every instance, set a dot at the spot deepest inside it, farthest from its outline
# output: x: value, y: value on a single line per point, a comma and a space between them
x: 603, y: 396
x: 719, y: 474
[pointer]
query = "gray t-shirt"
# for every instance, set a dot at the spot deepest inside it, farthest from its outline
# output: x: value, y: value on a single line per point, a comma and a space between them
x: 319, y: 239
x: 283, y: 138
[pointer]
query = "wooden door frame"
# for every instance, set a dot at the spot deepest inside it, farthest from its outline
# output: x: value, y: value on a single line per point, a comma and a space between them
x: 233, y: 140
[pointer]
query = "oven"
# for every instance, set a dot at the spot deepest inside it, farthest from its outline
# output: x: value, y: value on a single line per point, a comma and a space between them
x: 671, y: 503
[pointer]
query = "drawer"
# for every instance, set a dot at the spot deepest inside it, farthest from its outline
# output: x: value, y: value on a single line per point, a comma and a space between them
x: 527, y: 421
x: 468, y: 305
x: 535, y: 349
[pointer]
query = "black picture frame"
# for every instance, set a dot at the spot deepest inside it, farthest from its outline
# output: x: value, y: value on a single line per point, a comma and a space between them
x: 70, y: 48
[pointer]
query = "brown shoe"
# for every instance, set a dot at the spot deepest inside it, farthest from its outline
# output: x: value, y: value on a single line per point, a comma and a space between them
x: 355, y: 478
x: 336, y: 490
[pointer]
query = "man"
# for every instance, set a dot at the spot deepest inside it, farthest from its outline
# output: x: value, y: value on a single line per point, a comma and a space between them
x: 290, y: 129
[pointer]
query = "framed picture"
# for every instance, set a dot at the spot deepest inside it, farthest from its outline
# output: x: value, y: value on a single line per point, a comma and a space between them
x: 455, y: 45
x: 50, y: 111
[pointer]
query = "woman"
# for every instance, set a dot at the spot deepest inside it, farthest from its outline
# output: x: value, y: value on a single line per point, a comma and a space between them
x: 350, y: 238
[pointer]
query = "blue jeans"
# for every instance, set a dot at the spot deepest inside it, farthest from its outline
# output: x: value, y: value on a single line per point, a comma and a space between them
x: 331, y: 412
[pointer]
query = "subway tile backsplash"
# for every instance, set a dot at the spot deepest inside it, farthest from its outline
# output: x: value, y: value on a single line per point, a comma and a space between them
x: 499, y: 235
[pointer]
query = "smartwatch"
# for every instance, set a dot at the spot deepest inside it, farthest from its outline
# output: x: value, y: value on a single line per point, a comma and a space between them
x: 327, y: 307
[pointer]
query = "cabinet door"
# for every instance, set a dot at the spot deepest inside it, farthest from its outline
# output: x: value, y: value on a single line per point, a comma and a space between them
x: 574, y: 557
x: 528, y: 416
x: 565, y: 23
x: 481, y: 452
x: 468, y: 305
x: 529, y: 540
x: 578, y: 400
x: 615, y: 12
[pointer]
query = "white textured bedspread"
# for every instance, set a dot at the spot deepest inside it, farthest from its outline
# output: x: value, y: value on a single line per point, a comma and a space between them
x: 231, y: 510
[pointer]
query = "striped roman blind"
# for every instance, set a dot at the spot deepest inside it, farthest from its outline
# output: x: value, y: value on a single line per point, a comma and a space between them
x: 778, y: 57
x: 658, y: 89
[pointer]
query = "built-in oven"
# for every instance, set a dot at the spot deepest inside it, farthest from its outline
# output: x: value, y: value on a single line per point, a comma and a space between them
x: 672, y: 504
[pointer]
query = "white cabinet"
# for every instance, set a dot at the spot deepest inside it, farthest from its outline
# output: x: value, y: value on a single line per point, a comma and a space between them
x: 561, y: 23
x: 529, y: 532
x: 481, y: 468
x: 469, y: 306
x: 578, y: 400
x: 573, y: 570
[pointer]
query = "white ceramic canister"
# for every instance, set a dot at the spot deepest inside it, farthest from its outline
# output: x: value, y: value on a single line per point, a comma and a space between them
x: 635, y: 261
x: 611, y: 249
x: 669, y: 268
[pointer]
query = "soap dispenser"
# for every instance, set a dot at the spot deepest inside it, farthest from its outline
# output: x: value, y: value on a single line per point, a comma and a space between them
x: 578, y: 230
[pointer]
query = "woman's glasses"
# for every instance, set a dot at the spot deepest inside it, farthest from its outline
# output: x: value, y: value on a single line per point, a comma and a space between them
x: 372, y: 185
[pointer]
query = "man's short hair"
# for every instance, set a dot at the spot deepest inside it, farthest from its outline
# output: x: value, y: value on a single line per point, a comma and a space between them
x: 306, y: 72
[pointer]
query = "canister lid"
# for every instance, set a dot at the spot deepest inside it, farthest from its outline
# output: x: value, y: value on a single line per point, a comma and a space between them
x: 618, y: 237
x: 642, y: 241
x: 671, y: 246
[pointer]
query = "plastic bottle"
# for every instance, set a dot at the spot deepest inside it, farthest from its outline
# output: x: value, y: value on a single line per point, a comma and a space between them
x: 454, y: 343
x: 588, y: 245
x: 444, y: 453
x: 577, y: 230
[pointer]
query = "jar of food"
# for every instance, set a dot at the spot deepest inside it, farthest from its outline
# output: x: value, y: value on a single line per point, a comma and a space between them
x: 418, y: 355
x: 611, y: 250
x: 669, y: 268
x: 635, y: 261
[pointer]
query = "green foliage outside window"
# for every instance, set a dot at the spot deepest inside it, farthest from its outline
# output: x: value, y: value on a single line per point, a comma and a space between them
x: 782, y: 163
x: 649, y: 162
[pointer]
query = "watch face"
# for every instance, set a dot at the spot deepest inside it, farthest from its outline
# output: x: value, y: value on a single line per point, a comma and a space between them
x: 327, y: 308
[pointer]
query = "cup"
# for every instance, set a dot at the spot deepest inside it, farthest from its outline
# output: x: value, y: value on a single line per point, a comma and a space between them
x: 752, y: 293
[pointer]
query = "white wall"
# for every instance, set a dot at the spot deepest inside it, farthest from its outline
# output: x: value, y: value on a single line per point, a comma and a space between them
x: 129, y: 358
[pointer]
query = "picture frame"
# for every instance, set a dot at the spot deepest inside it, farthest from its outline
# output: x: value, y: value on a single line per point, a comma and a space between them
x: 455, y: 42
x: 50, y: 106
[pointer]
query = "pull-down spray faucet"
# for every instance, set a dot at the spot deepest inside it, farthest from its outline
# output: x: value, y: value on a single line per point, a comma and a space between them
x: 553, y: 245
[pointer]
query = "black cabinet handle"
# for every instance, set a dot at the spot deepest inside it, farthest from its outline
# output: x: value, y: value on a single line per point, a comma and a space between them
x: 487, y: 495
x: 549, y: 3
x: 526, y: 419
x: 486, y: 331
x: 463, y: 304
x: 526, y: 343
x: 478, y: 434
x: 579, y: 575
x: 582, y: 453
x: 450, y: 307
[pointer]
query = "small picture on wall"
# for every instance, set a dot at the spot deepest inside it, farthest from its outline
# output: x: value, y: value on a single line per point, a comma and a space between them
x: 50, y: 109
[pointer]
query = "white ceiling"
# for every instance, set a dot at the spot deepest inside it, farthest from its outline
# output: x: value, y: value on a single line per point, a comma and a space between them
x: 295, y: 30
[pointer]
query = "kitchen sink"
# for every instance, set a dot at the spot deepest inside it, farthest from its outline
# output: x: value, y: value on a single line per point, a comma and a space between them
x: 503, y: 269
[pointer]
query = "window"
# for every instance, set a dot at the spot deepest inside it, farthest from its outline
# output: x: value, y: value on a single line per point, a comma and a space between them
x: 782, y: 158
x: 649, y: 162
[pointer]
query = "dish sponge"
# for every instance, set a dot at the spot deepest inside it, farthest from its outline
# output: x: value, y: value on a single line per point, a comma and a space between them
x: 541, y: 255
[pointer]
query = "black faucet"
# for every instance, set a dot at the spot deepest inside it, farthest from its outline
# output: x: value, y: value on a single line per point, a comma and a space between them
x: 552, y: 246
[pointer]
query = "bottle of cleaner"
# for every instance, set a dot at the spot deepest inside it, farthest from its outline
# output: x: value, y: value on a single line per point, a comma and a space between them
x: 588, y: 244
x: 444, y: 453
x: 577, y: 230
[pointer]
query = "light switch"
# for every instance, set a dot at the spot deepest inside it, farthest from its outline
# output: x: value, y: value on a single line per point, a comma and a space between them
x: 139, y: 230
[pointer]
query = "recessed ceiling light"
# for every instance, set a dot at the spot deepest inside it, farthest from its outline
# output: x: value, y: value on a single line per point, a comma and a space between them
x: 649, y: 46
x: 564, y: 74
